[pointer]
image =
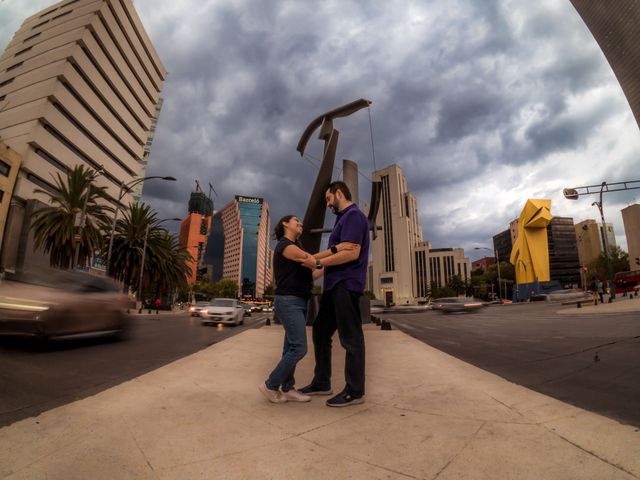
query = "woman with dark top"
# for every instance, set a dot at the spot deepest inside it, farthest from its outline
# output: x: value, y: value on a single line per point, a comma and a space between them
x: 293, y: 288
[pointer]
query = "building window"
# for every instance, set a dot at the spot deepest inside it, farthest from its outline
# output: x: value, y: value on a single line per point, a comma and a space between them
x: 42, y: 184
x: 52, y: 160
x: 2, y: 97
x: 39, y: 24
x: 386, y: 280
x: 12, y: 67
x: 24, y: 50
x: 6, y: 82
x: 62, y: 15
x: 1, y: 195
x: 32, y: 37
x: 69, y: 3
x: 5, y: 168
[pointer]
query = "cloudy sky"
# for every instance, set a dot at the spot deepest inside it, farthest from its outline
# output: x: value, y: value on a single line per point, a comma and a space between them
x: 482, y: 103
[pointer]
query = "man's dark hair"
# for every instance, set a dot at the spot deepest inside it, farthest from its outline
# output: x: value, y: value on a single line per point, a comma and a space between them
x: 339, y: 185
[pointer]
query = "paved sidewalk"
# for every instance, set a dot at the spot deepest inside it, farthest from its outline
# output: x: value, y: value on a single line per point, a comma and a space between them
x: 619, y: 305
x: 427, y: 416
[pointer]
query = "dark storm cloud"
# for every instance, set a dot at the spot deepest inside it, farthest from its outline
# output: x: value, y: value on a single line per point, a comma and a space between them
x: 462, y: 91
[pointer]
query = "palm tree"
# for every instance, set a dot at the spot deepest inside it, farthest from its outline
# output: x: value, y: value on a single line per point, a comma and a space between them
x: 165, y: 265
x: 54, y: 225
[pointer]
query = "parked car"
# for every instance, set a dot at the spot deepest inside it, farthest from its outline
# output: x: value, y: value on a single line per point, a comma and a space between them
x: 62, y: 305
x: 268, y: 308
x: 223, y: 310
x: 456, y: 304
x: 196, y: 308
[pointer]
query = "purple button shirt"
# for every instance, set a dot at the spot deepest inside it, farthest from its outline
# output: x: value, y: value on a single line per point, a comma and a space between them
x: 351, y: 226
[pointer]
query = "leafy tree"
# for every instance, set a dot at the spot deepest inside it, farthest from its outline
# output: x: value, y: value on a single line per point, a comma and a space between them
x: 456, y: 284
x: 440, y: 292
x: 227, y: 288
x: 598, y: 267
x: 54, y: 225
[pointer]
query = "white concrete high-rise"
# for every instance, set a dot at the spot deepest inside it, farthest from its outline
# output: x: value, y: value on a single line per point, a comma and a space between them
x: 631, y: 220
x: 80, y: 84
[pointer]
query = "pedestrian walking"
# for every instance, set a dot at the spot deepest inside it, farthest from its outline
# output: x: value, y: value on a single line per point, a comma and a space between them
x: 345, y: 269
x: 158, y: 303
x: 600, y: 290
x: 293, y: 289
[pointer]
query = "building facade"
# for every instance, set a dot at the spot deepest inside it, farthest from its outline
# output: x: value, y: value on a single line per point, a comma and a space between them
x: 503, y: 244
x: 9, y: 166
x: 80, y: 84
x: 564, y: 264
x: 616, y: 28
x: 483, y: 264
x: 590, y: 239
x: 194, y: 232
x: 631, y: 220
x: 445, y: 263
x: 238, y: 246
x: 393, y: 266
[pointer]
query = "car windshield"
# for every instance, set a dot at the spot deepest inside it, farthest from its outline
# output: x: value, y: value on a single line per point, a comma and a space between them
x: 202, y: 304
x: 222, y: 302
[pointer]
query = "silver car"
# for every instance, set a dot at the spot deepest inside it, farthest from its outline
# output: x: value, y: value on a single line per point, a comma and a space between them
x: 456, y: 304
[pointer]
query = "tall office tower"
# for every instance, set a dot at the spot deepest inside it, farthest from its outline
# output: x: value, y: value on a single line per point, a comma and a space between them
x: 9, y: 166
x: 611, y: 236
x: 631, y: 220
x: 80, y: 84
x: 588, y: 240
x: 503, y: 244
x: 564, y: 265
x: 238, y: 246
x: 194, y: 232
x: 616, y: 28
x: 393, y: 265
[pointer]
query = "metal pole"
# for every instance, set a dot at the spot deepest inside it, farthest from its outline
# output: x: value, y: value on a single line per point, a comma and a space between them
x: 499, y: 281
x: 144, y: 250
x: 113, y: 227
x: 76, y: 254
x: 605, y: 242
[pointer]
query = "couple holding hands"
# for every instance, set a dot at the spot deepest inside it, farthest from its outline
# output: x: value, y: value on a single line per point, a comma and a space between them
x: 344, y: 266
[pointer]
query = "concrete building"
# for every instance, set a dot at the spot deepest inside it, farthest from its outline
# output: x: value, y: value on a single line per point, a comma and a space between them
x: 444, y: 263
x: 588, y: 241
x: 9, y: 166
x: 194, y: 232
x: 616, y: 28
x: 393, y: 268
x: 238, y: 245
x: 80, y: 84
x: 483, y: 264
x: 631, y: 220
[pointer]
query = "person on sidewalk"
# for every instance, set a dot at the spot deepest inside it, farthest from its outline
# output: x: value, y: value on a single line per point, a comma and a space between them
x: 158, y: 303
x: 600, y: 290
x: 345, y: 270
x: 293, y: 289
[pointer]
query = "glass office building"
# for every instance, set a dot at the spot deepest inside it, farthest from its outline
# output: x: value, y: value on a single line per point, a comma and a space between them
x: 238, y: 247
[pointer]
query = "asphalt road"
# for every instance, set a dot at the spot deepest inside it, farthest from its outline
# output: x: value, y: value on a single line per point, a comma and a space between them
x: 35, y: 379
x: 591, y: 361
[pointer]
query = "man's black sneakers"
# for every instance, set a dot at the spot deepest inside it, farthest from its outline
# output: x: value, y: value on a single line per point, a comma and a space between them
x: 313, y: 390
x: 344, y: 399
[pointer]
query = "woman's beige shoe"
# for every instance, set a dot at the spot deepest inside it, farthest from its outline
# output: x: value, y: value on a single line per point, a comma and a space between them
x: 274, y: 396
x: 294, y: 395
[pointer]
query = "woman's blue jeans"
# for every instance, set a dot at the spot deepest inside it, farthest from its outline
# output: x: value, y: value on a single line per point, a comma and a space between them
x: 292, y: 312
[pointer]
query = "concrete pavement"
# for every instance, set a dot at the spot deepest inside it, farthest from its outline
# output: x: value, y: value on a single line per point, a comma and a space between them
x: 619, y: 305
x: 427, y: 416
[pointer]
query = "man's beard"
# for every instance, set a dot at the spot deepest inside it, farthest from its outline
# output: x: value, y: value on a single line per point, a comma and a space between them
x: 334, y: 208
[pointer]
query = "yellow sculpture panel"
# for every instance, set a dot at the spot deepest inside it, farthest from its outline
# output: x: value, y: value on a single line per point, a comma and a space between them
x: 530, y: 253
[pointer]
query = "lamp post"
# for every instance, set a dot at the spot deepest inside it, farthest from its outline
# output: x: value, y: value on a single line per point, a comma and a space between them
x: 573, y: 194
x: 144, y: 251
x: 495, y: 252
x: 85, y: 200
x: 126, y: 187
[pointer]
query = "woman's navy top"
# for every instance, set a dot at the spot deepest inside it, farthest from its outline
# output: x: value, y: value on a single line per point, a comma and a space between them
x: 291, y: 277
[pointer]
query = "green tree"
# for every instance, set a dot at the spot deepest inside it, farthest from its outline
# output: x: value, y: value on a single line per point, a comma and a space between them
x: 227, y: 288
x: 598, y: 267
x: 54, y: 225
x: 456, y: 284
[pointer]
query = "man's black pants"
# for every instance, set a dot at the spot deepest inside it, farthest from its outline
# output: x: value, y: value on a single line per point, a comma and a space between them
x: 339, y: 309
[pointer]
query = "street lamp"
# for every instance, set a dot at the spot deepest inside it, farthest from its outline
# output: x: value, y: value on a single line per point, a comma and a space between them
x: 127, y: 187
x: 76, y: 254
x: 495, y: 252
x: 573, y: 194
x: 144, y: 251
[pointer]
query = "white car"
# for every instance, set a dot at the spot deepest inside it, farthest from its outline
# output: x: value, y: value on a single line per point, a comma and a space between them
x: 223, y: 310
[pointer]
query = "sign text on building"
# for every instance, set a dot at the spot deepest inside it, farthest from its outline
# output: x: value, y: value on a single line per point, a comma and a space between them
x: 242, y: 199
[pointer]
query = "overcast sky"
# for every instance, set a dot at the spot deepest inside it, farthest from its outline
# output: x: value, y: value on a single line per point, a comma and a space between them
x: 482, y: 103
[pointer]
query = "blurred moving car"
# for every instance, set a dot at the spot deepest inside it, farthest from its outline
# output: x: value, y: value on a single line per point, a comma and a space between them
x: 456, y: 304
x: 223, y: 310
x: 565, y: 295
x: 247, y: 309
x: 62, y: 305
x: 196, y: 308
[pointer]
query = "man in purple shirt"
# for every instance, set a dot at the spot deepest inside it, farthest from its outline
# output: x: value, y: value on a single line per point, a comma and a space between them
x: 345, y: 270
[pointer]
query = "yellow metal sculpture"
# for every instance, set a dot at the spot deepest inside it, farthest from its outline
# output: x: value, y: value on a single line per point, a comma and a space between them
x: 530, y: 253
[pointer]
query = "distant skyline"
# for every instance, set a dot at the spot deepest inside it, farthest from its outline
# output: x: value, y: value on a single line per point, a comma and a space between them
x: 483, y: 104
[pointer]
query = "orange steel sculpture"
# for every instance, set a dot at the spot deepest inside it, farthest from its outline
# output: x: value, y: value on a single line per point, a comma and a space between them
x: 530, y: 253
